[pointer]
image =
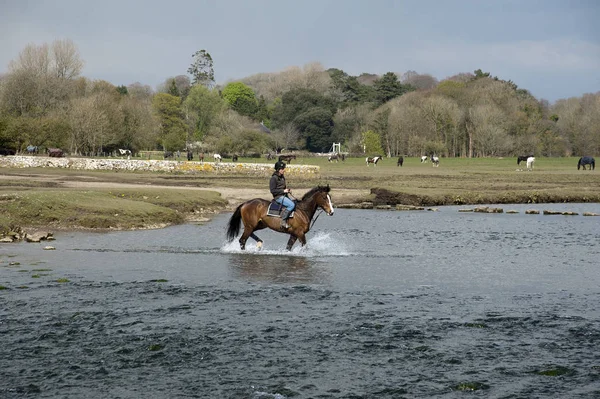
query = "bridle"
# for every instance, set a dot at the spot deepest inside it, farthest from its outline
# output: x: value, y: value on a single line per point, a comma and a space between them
x: 321, y: 210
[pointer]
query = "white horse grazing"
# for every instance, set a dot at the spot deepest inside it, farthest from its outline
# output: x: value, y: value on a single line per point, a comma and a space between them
x: 435, y: 161
x: 424, y: 158
x: 125, y: 152
x: 373, y: 160
x: 217, y: 158
x: 530, y: 162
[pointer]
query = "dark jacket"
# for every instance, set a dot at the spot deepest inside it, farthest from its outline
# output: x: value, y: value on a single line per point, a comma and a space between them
x: 277, y: 185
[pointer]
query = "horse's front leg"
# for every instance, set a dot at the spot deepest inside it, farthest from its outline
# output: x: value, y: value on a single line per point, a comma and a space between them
x: 259, y: 242
x: 302, y: 239
x: 291, y: 242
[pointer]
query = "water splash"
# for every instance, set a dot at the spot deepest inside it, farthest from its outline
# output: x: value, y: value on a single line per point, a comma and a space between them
x: 320, y: 245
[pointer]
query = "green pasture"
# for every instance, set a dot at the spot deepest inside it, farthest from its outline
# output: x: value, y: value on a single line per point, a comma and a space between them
x: 36, y: 197
x: 414, y: 165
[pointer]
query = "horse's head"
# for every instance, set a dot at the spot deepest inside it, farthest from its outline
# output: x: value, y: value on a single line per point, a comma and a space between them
x: 324, y: 199
x: 320, y: 195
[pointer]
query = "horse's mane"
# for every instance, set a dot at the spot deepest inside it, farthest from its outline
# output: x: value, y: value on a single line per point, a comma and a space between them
x: 314, y: 190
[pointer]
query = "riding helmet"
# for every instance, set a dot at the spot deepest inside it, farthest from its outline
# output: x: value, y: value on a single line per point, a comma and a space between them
x: 279, y: 165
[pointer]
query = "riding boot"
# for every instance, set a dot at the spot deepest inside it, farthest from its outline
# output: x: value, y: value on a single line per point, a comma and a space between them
x: 284, y: 217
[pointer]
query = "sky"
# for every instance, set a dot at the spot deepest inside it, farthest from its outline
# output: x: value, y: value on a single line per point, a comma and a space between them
x: 549, y: 47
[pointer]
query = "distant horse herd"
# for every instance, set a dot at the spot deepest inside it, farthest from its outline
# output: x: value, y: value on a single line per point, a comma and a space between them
x: 586, y: 162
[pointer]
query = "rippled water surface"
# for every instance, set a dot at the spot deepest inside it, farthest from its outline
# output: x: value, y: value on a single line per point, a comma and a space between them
x: 381, y: 304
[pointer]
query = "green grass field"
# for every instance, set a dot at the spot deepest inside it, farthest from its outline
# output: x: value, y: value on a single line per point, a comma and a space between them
x: 30, y: 197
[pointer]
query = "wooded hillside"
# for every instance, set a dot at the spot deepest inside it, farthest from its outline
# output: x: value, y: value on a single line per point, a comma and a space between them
x: 45, y: 102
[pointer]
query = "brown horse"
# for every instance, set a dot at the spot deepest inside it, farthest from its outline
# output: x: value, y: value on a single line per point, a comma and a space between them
x: 287, y: 158
x: 253, y: 214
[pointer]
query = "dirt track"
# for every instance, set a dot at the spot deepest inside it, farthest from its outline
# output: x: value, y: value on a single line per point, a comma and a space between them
x: 233, y: 195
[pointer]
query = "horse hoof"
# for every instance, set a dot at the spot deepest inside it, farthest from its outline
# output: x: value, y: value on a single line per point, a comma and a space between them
x: 259, y: 245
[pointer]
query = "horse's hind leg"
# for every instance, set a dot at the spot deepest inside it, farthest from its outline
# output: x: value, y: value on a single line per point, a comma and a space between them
x: 244, y: 238
x: 291, y: 242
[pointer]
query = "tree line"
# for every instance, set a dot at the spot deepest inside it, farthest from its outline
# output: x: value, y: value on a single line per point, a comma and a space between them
x: 44, y: 101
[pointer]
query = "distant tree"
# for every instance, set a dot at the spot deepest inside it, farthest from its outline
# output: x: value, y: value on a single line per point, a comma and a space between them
x: 316, y: 125
x: 201, y: 108
x: 287, y: 136
x: 122, y: 90
x: 172, y: 88
x: 252, y: 141
x: 263, y: 112
x: 463, y: 77
x: 380, y: 125
x: 240, y: 98
x: 172, y: 135
x: 367, y: 79
x: 480, y: 74
x: 177, y: 86
x: 347, y: 88
x: 41, y: 78
x: 138, y: 128
x: 201, y: 69
x: 140, y: 91
x: 419, y: 81
x: 67, y: 62
x: 371, y: 143
x: 298, y: 101
x: 183, y: 84
x: 299, y: 107
x: 389, y: 87
x: 350, y: 122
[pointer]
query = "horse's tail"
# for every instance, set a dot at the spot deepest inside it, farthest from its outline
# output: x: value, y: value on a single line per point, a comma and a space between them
x: 233, y: 228
x: 593, y: 164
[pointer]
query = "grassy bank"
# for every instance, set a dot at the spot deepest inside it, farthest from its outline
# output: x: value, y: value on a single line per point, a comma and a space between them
x: 98, y: 209
x: 37, y: 197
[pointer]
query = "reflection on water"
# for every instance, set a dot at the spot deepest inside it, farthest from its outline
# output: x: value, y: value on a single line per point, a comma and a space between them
x: 276, y: 269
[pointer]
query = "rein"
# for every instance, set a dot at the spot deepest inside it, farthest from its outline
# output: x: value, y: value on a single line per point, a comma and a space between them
x: 315, y: 219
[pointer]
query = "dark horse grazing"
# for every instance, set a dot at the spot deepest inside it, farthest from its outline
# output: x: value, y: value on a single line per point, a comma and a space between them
x: 523, y: 158
x: 253, y: 214
x: 7, y: 151
x: 586, y: 161
x: 287, y: 158
x: 400, y: 161
x: 55, y: 152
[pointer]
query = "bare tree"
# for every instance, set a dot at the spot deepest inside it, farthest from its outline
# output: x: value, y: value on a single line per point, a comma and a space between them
x: 41, y: 78
x: 288, y: 136
x: 419, y: 81
x: 67, y: 62
x: 140, y: 91
x: 273, y: 85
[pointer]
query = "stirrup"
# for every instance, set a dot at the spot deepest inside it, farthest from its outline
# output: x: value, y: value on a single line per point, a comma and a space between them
x: 284, y: 225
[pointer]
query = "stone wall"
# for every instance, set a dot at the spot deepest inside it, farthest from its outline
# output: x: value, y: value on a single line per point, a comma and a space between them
x: 258, y: 169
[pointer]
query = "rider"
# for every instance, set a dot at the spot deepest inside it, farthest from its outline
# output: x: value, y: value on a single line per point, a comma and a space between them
x: 278, y: 189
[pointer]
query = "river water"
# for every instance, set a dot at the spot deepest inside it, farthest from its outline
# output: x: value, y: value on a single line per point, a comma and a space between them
x: 381, y: 304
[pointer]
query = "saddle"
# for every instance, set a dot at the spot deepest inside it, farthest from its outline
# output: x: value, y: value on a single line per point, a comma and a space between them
x: 276, y: 208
